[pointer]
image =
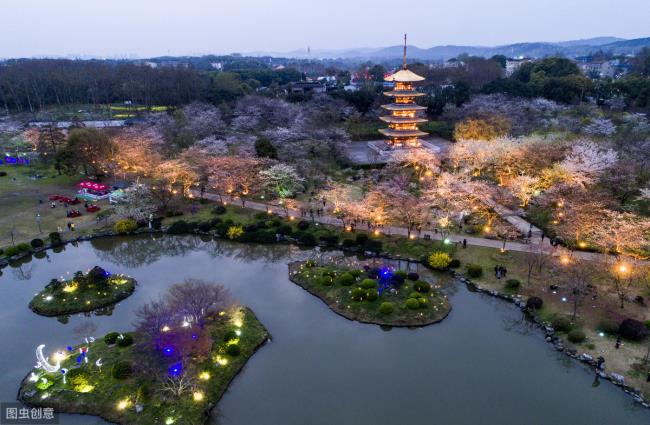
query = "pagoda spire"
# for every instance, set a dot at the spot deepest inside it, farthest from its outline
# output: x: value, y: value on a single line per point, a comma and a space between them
x: 404, y: 51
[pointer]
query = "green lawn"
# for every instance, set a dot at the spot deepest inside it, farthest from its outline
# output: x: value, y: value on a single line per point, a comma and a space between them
x: 353, y: 293
x: 81, y: 294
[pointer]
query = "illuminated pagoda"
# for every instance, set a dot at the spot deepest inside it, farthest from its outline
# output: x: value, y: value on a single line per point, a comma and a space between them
x: 404, y: 115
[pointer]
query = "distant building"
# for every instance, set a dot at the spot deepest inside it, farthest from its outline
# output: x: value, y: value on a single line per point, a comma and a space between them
x: 308, y: 87
x: 216, y: 65
x: 599, y: 69
x: 513, y: 64
x: 453, y: 63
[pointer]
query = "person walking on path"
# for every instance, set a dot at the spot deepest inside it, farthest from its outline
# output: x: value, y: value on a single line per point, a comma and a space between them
x: 464, y: 243
x: 618, y: 342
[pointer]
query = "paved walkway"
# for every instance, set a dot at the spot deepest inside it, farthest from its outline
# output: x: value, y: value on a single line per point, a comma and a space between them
x: 471, y: 240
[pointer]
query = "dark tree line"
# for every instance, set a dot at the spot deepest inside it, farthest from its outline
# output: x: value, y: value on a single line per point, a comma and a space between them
x: 27, y: 85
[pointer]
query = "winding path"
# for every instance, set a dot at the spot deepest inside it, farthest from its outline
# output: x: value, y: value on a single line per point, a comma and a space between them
x: 507, y: 214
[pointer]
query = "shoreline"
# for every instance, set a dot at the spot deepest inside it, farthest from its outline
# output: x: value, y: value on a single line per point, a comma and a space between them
x: 549, y: 333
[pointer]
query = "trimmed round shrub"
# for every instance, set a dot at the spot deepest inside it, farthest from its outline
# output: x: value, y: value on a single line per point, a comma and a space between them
x: 121, y: 370
x: 608, y: 326
x: 454, y: 263
x: 325, y: 281
x: 439, y: 260
x: 422, y: 287
x: 413, y: 276
x: 250, y: 227
x: 369, y: 284
x: 361, y: 238
x: 178, y: 228
x: 423, y: 302
x: 303, y: 225
x: 307, y: 239
x: 386, y: 308
x: 576, y: 336
x: 328, y: 272
x: 37, y: 243
x: 400, y: 273
x: 230, y: 335
x: 125, y: 226
x: 233, y: 350
x: 371, y: 295
x: 397, y: 280
x: 356, y: 273
x: 373, y: 245
x: 632, y: 329
x: 76, y: 378
x: 346, y: 279
x: 358, y: 294
x: 348, y: 243
x: 234, y: 232
x: 111, y: 338
x: 374, y: 272
x: 55, y: 238
x: 474, y: 270
x: 125, y: 341
x: 205, y: 226
x: 415, y: 295
x: 329, y: 240
x: 412, y: 304
x: 284, y: 229
x: 534, y: 303
x: 513, y: 284
x: 219, y: 210
x: 561, y: 324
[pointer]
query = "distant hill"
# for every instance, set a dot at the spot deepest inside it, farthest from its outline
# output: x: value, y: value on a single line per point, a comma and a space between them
x: 571, y: 48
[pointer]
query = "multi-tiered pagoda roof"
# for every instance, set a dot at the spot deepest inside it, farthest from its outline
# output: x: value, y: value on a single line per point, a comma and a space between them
x: 404, y: 112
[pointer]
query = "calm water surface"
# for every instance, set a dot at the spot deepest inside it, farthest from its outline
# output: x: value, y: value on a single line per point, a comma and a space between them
x: 483, y: 365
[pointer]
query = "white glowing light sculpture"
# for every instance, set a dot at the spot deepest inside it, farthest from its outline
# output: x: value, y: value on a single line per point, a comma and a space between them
x: 42, y: 361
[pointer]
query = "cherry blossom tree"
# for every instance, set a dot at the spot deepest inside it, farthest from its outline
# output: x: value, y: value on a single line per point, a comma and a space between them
x: 137, y: 203
x: 524, y: 188
x: 586, y: 162
x: 281, y: 181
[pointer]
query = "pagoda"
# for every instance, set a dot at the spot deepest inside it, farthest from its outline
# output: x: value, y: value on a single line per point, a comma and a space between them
x: 404, y: 115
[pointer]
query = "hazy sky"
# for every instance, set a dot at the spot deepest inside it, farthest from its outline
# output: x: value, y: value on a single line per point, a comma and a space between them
x: 128, y: 28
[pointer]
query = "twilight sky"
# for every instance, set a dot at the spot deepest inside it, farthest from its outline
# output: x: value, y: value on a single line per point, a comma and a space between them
x: 143, y: 28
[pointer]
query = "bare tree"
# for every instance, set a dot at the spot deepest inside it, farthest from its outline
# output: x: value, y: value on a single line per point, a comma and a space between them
x: 196, y: 299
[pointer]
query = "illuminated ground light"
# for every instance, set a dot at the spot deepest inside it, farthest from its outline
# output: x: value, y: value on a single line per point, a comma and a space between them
x: 221, y: 360
x: 238, y: 332
x: 197, y: 396
x: 169, y: 421
x: 49, y: 298
x: 165, y: 328
x: 123, y: 404
x: 69, y: 288
x: 204, y: 376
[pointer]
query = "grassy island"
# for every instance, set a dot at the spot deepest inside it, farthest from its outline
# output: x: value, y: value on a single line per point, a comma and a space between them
x: 373, y: 295
x: 179, y: 382
x: 84, y: 292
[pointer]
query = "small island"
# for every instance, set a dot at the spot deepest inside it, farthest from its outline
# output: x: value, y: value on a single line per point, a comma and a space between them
x: 83, y: 293
x: 380, y: 296
x: 172, y: 369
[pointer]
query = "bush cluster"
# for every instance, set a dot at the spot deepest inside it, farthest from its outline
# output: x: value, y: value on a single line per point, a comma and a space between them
x: 561, y: 324
x: 121, y: 370
x: 233, y: 350
x: 633, y: 330
x: 346, y: 279
x: 125, y: 341
x: 358, y: 294
x: 219, y: 210
x: 474, y: 270
x: 439, y: 260
x: 111, y: 337
x: 178, y: 227
x: 534, y: 303
x: 17, y: 249
x: 369, y: 284
x: 125, y: 226
x: 576, y: 336
x: 513, y: 284
x: 37, y: 243
x: 422, y: 287
x: 386, y: 308
x: 454, y: 263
